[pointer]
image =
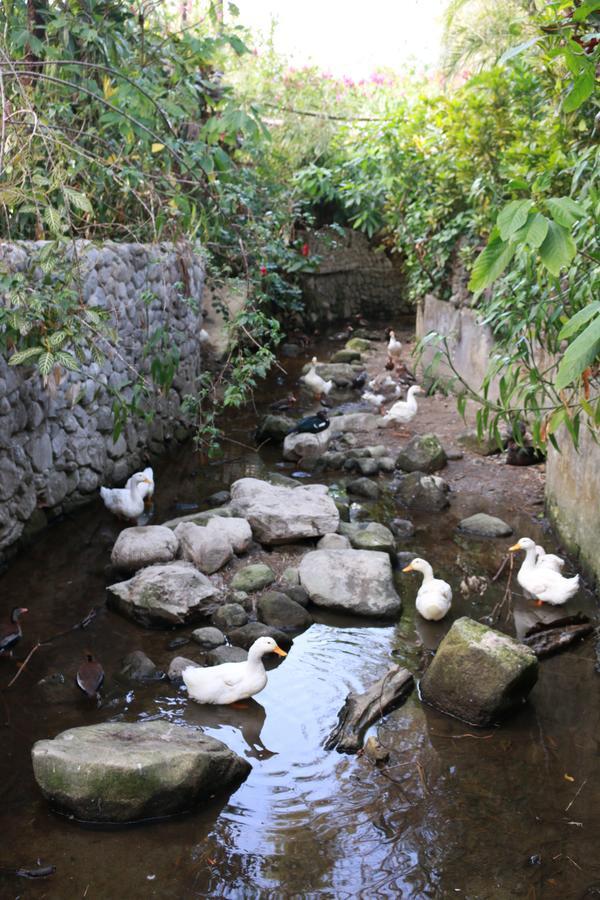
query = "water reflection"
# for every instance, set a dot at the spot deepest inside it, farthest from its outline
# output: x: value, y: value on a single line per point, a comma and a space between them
x: 248, y: 718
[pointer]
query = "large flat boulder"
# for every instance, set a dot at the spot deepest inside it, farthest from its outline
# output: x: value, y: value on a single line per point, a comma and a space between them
x: 479, y: 674
x: 279, y: 515
x: 358, y: 581
x: 174, y: 593
x: 128, y: 771
x: 208, y: 550
x: 143, y: 546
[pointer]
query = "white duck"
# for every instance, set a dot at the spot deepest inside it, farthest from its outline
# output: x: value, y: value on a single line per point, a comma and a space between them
x: 376, y: 400
x: 404, y: 411
x: 315, y: 383
x: 546, y: 585
x: 549, y: 560
x: 146, y: 490
x: 231, y: 682
x: 127, y: 502
x: 434, y: 597
x: 394, y: 347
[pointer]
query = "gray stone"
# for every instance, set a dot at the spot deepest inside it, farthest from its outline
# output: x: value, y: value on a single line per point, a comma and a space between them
x: 364, y: 487
x: 208, y: 638
x: 306, y: 446
x: 419, y: 491
x: 367, y: 466
x: 176, y: 667
x: 274, y: 428
x: 357, y: 581
x: 128, y: 771
x: 279, y: 610
x: 219, y: 498
x: 228, y: 616
x: 290, y: 576
x: 164, y: 595
x: 295, y: 592
x: 423, y: 453
x: 334, y: 541
x: 253, y: 578
x: 247, y: 634
x: 368, y: 536
x: 41, y: 452
x: 208, y: 550
x: 226, y: 655
x: 144, y: 546
x: 403, y: 529
x: 241, y: 598
x: 346, y: 356
x: 137, y: 666
x: 236, y: 531
x: 482, y: 525
x: 478, y: 674
x: 10, y: 478
x: 355, y: 422
x: 281, y: 514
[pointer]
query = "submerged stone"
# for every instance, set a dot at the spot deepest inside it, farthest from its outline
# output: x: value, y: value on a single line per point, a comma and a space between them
x: 482, y: 525
x: 479, y: 674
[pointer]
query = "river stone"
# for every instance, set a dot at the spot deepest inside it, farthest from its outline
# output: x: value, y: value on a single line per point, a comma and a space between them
x: 479, y: 674
x: 275, y: 608
x: 419, y: 491
x: 127, y: 771
x: 358, y: 343
x: 334, y: 541
x: 273, y: 428
x: 143, y: 546
x: 226, y: 655
x: 357, y: 581
x: 482, y: 525
x: 233, y: 529
x: 208, y: 550
x: 219, y: 498
x: 200, y: 518
x: 367, y: 466
x: 164, y: 595
x: 306, y: 446
x: 208, y: 638
x: 354, y: 422
x: 290, y: 575
x: 280, y: 514
x: 423, y: 453
x: 386, y: 464
x: 295, y: 592
x: 368, y: 536
x: 346, y: 356
x: 176, y: 667
x: 253, y: 578
x: 364, y: 487
x: 247, y: 634
x: 136, y: 666
x: 228, y: 616
x: 402, y: 529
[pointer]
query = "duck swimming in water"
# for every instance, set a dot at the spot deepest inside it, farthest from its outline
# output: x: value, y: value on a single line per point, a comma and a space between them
x: 231, y: 682
x: 311, y: 424
x: 90, y: 676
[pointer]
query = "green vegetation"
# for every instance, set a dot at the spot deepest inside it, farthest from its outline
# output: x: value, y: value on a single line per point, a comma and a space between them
x: 120, y: 124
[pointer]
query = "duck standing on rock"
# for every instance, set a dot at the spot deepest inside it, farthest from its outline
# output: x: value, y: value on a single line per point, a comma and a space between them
x: 90, y: 677
x: 540, y: 580
x: 311, y: 424
x: 315, y: 383
x: 11, y: 633
x: 127, y: 502
x: 231, y: 682
x: 434, y: 597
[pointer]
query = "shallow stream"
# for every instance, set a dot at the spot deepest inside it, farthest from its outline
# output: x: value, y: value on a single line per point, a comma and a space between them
x: 507, y: 812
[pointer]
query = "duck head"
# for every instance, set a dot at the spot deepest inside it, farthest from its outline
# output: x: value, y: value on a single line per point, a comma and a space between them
x: 264, y: 645
x: 523, y: 543
x: 17, y: 612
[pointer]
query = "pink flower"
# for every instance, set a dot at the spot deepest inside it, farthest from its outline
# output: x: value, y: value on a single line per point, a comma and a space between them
x: 305, y: 250
x: 263, y: 270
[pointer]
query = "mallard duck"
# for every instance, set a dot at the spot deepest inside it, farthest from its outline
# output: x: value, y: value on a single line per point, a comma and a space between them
x: 146, y: 490
x: 434, y: 597
x: 315, y: 383
x: 404, y: 411
x: 551, y: 560
x: 90, y: 676
x: 231, y: 682
x: 311, y: 424
x: 543, y: 583
x: 394, y: 347
x: 128, y: 503
x: 10, y: 632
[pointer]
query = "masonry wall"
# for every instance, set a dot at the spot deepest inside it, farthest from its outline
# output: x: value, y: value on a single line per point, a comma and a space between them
x: 56, y: 446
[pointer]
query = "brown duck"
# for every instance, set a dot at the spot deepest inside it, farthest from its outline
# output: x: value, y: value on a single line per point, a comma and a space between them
x: 90, y: 676
x: 10, y: 633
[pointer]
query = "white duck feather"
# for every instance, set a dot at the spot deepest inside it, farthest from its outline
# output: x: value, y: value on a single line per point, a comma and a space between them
x: 231, y: 682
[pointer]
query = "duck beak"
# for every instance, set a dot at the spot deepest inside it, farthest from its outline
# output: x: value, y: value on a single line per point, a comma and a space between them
x: 408, y: 568
x: 514, y: 547
x: 279, y: 651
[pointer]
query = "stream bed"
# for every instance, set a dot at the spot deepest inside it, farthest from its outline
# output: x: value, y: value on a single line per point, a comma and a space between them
x: 512, y: 811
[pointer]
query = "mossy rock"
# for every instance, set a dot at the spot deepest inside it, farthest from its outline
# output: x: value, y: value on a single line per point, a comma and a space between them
x: 423, y: 453
x: 253, y: 578
x: 358, y: 343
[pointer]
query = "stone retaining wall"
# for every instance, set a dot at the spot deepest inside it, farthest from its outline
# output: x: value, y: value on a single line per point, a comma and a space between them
x: 353, y: 279
x: 56, y: 446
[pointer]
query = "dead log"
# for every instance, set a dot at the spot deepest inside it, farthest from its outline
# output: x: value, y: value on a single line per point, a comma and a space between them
x: 547, y: 638
x: 361, y: 710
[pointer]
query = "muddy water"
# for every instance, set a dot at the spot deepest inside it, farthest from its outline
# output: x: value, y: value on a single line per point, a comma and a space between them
x: 506, y: 812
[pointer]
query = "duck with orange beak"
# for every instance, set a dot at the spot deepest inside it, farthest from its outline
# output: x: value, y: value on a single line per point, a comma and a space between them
x: 231, y: 682
x: 434, y: 597
x: 541, y: 580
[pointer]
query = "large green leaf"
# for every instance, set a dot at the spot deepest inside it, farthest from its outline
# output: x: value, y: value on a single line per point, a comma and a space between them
x: 565, y: 211
x: 584, y: 350
x: 22, y: 356
x: 46, y: 363
x: 578, y: 320
x: 79, y: 200
x: 533, y: 231
x: 512, y: 217
x: 557, y: 249
x: 582, y: 88
x: 491, y: 262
